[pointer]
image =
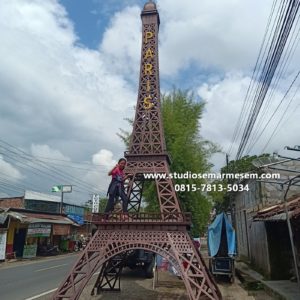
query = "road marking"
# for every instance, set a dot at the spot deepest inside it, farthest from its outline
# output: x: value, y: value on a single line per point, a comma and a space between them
x: 48, y: 292
x: 58, y: 266
x: 40, y: 295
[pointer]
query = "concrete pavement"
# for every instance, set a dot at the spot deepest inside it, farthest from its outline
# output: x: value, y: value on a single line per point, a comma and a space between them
x: 282, y: 289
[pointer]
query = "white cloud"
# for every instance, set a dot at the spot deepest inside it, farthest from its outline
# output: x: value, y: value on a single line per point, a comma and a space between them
x: 104, y: 162
x: 214, y: 35
x: 44, y: 151
x: 223, y: 105
x: 105, y: 158
x: 60, y: 92
x: 224, y: 100
x: 121, y: 43
x: 58, y: 99
x: 211, y: 34
x: 8, y: 171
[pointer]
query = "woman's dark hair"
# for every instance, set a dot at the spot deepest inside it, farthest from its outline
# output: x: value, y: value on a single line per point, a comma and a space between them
x: 121, y: 159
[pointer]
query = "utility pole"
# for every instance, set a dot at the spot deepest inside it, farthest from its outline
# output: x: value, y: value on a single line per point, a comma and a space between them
x: 61, y: 201
x: 232, y: 211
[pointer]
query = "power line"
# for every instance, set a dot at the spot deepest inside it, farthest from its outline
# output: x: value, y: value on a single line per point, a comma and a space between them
x: 270, y: 65
x: 257, y: 67
x: 43, y: 165
x: 29, y: 158
x: 68, y: 161
x: 276, y: 109
x: 283, y: 66
x: 277, y: 126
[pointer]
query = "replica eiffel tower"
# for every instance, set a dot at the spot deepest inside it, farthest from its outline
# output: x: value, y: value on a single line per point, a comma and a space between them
x: 164, y: 233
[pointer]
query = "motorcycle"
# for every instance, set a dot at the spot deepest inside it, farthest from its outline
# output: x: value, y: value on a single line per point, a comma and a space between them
x: 48, y: 250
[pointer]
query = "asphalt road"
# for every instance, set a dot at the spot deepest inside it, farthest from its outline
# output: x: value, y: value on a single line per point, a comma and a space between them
x: 25, y: 280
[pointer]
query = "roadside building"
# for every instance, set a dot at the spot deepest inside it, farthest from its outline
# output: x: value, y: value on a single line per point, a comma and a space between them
x: 261, y: 225
x: 34, y: 220
x: 29, y: 232
x: 44, y: 203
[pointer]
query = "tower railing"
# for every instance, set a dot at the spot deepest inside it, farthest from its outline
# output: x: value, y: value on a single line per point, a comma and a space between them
x: 143, y: 217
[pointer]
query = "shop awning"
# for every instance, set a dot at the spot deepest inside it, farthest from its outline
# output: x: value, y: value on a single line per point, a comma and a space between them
x: 29, y: 218
x: 277, y: 212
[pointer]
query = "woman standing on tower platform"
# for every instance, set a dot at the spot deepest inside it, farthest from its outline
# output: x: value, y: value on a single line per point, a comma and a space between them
x: 116, y: 187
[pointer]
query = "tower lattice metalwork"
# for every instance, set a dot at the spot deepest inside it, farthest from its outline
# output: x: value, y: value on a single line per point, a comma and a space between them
x: 164, y: 233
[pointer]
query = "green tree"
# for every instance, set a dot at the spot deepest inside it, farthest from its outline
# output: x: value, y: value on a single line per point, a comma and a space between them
x: 181, y: 116
x: 243, y: 165
x: 221, y: 199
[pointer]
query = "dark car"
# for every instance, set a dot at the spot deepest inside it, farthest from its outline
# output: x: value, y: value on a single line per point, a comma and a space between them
x: 141, y: 259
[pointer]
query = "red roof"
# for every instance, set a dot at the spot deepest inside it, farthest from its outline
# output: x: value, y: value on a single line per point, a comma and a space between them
x: 270, y: 213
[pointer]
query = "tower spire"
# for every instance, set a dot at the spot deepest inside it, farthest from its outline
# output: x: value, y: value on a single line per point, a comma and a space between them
x: 148, y: 136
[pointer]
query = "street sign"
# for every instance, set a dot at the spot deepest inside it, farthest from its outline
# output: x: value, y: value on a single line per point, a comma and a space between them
x: 62, y: 188
x: 67, y: 189
x: 56, y: 188
x: 95, y: 205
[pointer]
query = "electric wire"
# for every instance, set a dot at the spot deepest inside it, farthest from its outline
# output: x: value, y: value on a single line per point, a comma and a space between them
x: 64, y: 174
x: 269, y: 58
x: 271, y: 63
x: 276, y: 109
x: 280, y: 121
x: 282, y: 70
x: 257, y: 66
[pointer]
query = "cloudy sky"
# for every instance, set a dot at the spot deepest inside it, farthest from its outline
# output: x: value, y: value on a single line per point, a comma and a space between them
x: 69, y: 77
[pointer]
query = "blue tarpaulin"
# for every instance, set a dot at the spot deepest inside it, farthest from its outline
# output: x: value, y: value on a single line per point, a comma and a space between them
x: 215, y: 232
x: 76, y: 218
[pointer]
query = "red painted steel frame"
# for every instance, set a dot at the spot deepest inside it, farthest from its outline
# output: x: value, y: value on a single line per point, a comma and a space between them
x: 165, y: 233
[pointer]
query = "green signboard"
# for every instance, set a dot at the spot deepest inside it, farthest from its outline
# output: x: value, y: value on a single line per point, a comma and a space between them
x: 39, y: 230
x: 29, y: 251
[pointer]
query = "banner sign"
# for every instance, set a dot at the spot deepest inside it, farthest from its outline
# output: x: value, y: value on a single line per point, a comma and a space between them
x: 3, y: 235
x: 39, y: 230
x: 56, y: 188
x: 67, y: 189
x: 29, y: 251
x: 96, y: 200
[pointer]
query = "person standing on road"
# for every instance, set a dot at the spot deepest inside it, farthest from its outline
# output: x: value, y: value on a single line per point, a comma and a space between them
x: 116, y: 187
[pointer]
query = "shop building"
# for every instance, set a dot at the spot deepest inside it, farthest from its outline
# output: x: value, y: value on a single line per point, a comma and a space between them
x: 29, y: 233
x: 42, y: 202
x: 261, y: 224
x: 32, y: 222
